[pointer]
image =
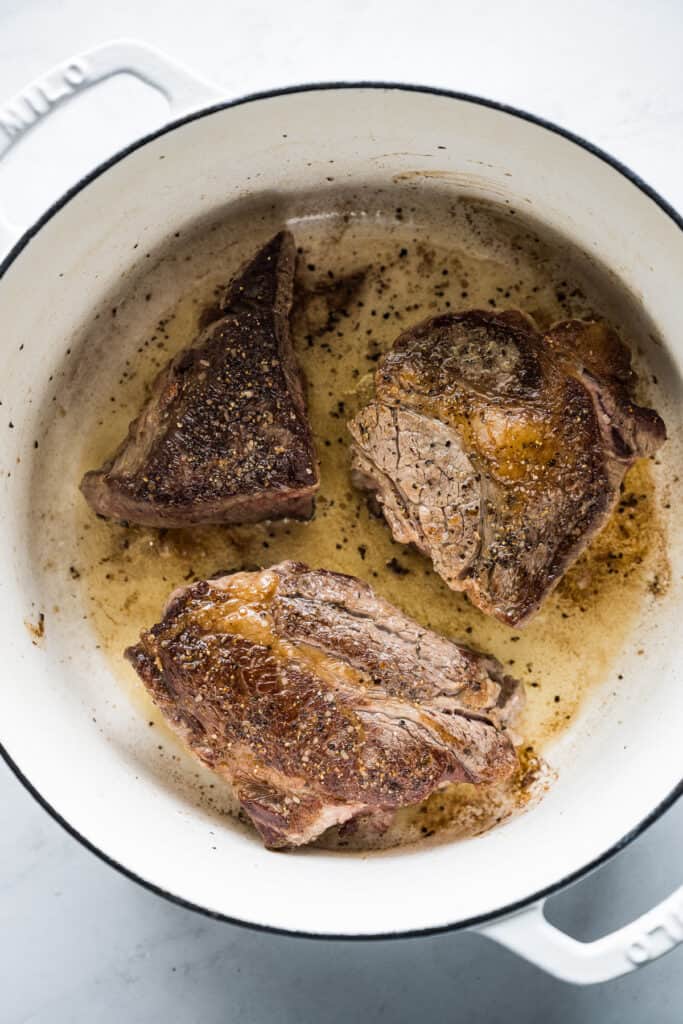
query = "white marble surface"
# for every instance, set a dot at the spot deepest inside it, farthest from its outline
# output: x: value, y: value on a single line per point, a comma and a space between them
x: 80, y: 943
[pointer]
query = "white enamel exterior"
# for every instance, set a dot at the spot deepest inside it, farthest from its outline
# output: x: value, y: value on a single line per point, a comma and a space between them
x: 624, y: 756
x: 183, y: 91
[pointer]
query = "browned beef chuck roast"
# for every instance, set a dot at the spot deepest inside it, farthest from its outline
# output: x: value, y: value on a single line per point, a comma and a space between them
x: 499, y: 451
x: 319, y: 701
x: 224, y: 436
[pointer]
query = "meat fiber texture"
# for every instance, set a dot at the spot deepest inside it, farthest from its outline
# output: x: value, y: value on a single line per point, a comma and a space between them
x: 224, y: 436
x: 320, y: 702
x: 499, y: 451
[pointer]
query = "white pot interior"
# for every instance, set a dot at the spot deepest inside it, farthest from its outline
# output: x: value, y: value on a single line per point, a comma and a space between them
x: 65, y: 720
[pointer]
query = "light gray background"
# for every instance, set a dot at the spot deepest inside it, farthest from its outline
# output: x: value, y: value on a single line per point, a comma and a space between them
x: 80, y: 943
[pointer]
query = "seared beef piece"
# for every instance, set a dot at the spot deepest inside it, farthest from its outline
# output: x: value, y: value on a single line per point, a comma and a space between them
x: 499, y: 452
x: 224, y: 436
x: 319, y: 701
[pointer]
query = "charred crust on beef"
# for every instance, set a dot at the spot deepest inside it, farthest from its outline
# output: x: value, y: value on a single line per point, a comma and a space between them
x: 499, y: 451
x: 224, y: 436
x: 318, y: 701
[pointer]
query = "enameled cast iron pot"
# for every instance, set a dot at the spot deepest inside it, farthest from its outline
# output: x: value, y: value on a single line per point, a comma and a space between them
x: 619, y: 767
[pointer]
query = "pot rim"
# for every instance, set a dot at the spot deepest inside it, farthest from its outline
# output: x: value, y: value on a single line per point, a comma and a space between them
x: 32, y: 231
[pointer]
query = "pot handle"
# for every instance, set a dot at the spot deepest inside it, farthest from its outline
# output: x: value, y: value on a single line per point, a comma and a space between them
x: 531, y: 935
x: 183, y: 90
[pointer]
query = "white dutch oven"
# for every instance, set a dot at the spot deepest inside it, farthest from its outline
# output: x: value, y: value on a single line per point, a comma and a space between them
x: 621, y: 765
